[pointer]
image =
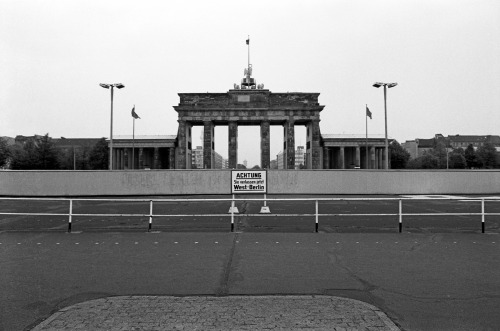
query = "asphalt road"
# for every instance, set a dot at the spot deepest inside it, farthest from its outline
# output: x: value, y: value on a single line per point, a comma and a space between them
x: 441, y: 273
x: 422, y: 281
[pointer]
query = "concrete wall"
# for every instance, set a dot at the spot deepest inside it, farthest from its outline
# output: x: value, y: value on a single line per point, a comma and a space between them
x: 178, y: 182
x: 384, y: 182
x: 74, y: 183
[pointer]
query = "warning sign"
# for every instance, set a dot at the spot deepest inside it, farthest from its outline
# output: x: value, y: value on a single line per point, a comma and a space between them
x: 248, y: 181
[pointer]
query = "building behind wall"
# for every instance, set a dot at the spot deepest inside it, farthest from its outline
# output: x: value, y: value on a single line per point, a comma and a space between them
x: 419, y: 146
x: 300, y: 157
x: 197, y: 159
x: 354, y: 151
x: 144, y: 152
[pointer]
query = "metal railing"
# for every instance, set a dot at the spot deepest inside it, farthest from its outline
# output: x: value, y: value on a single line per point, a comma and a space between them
x: 233, y: 211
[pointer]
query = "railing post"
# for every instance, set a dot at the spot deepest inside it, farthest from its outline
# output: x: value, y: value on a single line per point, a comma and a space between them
x: 317, y: 217
x: 232, y: 214
x: 150, y: 215
x: 70, y: 214
x: 265, y: 209
x: 400, y: 215
x: 482, y: 215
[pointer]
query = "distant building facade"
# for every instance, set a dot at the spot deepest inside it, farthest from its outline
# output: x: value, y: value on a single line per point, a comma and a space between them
x: 197, y: 159
x: 300, y: 157
x: 419, y: 146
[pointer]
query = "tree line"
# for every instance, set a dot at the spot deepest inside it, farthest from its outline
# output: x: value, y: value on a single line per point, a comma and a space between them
x: 41, y: 153
x: 442, y: 157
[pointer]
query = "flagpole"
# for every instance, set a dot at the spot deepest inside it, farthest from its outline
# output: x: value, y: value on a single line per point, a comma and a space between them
x: 248, y: 52
x: 133, y: 143
x: 366, y: 120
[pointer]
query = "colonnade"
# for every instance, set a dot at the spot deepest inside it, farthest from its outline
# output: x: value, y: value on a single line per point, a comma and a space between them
x: 185, y: 143
x: 353, y: 157
x: 144, y: 157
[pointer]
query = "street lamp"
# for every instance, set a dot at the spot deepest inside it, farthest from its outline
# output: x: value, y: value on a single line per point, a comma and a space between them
x: 111, y: 86
x: 386, y: 151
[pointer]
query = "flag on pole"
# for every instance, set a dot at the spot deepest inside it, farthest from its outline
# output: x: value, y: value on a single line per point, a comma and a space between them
x: 134, y: 114
x: 368, y: 112
x: 248, y: 41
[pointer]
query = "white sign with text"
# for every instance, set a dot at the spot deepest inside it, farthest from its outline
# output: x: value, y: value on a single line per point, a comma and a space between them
x: 248, y: 181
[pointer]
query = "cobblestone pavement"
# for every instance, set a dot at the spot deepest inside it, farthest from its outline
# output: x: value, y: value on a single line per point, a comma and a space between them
x: 308, y: 312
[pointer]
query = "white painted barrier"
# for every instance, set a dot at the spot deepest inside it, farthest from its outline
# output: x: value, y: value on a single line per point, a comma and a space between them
x: 193, y: 182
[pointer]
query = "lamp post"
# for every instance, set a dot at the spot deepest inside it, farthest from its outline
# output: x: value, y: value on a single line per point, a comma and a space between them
x: 386, y: 151
x: 111, y: 86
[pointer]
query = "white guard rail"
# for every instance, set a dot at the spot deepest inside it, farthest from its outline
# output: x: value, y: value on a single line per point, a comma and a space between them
x: 232, y: 213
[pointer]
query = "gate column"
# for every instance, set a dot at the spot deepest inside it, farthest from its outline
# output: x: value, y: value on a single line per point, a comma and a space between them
x: 182, y: 150
x: 156, y: 158
x: 315, y: 145
x: 141, y: 161
x: 342, y: 158
x: 171, y: 158
x: 208, y: 144
x: 358, y: 157
x: 289, y: 148
x: 265, y: 145
x: 232, y: 145
x: 326, y: 158
x: 372, y: 158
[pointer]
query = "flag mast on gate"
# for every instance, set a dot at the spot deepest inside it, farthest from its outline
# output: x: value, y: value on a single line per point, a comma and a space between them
x: 248, y: 82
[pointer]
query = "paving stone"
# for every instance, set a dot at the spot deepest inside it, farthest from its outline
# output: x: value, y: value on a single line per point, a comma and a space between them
x: 220, y: 313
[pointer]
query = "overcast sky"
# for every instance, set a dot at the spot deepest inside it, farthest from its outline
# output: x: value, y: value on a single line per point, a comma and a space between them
x: 444, y: 55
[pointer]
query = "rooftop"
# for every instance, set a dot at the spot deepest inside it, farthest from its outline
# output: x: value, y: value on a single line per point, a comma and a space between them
x: 147, y: 137
x: 353, y: 136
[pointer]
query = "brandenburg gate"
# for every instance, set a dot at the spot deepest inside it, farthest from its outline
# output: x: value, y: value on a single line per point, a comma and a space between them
x: 249, y: 104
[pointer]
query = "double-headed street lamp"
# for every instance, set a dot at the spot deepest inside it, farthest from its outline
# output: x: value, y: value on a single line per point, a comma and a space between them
x: 386, y: 151
x: 111, y: 86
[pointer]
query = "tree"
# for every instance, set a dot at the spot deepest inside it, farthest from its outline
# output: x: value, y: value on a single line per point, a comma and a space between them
x: 66, y: 159
x: 37, y: 153
x: 4, y: 152
x: 441, y: 154
x: 240, y: 166
x: 429, y: 161
x: 456, y: 159
x: 99, y: 156
x: 486, y: 155
x: 470, y: 157
x: 75, y: 158
x: 47, y: 154
x: 399, y: 155
x: 256, y: 167
x: 415, y: 163
x: 23, y: 156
